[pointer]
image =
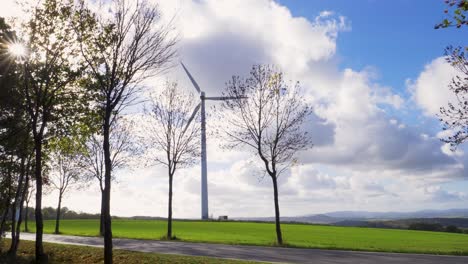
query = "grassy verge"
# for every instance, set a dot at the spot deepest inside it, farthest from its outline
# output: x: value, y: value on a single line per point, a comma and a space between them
x: 296, y: 235
x: 79, y: 254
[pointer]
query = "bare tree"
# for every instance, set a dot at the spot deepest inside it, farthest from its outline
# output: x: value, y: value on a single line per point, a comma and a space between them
x: 173, y: 139
x: 122, y: 47
x: 65, y: 163
x: 94, y: 159
x: 268, y: 121
x: 122, y: 147
x: 455, y: 115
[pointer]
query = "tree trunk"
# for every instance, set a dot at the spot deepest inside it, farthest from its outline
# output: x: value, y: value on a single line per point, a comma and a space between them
x: 107, y: 189
x: 14, y: 209
x: 26, y: 216
x: 4, y: 216
x: 26, y: 193
x: 16, y: 240
x: 13, y: 225
x: 7, y: 201
x: 279, y: 236
x: 2, y: 225
x: 101, y: 222
x: 7, y: 206
x: 169, y: 216
x: 57, y: 218
x: 38, y: 210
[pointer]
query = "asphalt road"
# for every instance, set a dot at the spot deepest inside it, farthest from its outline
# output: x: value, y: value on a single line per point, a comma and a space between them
x: 267, y: 254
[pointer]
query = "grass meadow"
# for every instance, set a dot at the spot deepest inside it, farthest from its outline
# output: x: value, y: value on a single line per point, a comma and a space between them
x: 295, y: 235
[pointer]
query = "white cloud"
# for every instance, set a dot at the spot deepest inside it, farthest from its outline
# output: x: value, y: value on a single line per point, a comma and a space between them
x: 438, y: 194
x: 307, y: 178
x: 230, y: 36
x: 447, y: 150
x: 430, y: 90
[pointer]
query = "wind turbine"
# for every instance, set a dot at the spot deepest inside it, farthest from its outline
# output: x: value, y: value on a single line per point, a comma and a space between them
x: 204, y: 176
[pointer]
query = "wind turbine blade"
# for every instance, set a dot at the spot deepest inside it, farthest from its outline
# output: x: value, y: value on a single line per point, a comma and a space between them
x: 194, y: 113
x: 195, y: 84
x: 223, y: 98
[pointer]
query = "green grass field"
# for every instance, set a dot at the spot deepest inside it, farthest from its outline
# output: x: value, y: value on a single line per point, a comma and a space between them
x: 297, y: 235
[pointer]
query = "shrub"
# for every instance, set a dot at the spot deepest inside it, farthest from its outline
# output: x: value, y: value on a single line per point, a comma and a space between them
x: 426, y: 226
x: 453, y: 229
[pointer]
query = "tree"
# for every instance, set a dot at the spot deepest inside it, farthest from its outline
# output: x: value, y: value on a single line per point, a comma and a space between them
x: 66, y: 168
x: 30, y: 191
x: 453, y: 229
x: 51, y: 69
x: 121, y: 147
x: 16, y: 144
x: 7, y: 86
x: 122, y: 48
x: 454, y: 116
x: 15, y: 137
x: 457, y: 12
x: 173, y: 140
x: 6, y: 188
x: 16, y: 141
x: 17, y: 206
x: 268, y: 121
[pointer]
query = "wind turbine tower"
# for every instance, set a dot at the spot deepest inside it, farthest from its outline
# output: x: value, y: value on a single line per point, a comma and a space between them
x: 204, y: 172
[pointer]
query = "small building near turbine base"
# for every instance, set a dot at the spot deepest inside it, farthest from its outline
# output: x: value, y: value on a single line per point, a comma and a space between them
x: 223, y: 218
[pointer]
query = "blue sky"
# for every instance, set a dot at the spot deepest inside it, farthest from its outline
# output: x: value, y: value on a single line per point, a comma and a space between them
x: 397, y: 37
x: 376, y: 82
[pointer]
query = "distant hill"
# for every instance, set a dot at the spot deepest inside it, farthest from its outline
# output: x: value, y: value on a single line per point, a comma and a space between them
x: 378, y: 219
x: 452, y: 213
x: 143, y: 217
x: 404, y: 223
x: 316, y: 219
x: 401, y: 220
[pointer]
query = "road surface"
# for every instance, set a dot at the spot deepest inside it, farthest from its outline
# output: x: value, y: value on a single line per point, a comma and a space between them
x: 256, y: 253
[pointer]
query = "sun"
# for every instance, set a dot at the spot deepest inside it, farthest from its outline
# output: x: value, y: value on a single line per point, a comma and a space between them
x: 17, y: 49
